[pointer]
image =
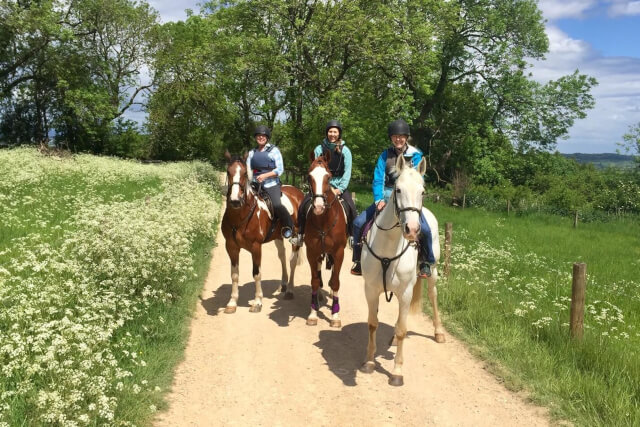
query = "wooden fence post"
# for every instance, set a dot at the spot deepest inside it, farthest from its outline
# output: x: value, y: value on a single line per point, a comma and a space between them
x: 578, y: 289
x: 354, y: 197
x: 508, y: 207
x: 448, y: 232
x: 575, y: 219
x: 464, y: 200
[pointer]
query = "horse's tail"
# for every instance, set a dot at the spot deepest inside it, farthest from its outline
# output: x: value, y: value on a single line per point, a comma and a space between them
x: 416, y: 299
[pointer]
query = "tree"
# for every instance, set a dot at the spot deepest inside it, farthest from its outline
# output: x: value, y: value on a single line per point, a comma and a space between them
x: 631, y: 143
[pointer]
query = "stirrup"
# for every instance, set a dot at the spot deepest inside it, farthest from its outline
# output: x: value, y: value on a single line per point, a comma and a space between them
x: 425, y: 270
x: 287, y: 233
x: 356, y: 270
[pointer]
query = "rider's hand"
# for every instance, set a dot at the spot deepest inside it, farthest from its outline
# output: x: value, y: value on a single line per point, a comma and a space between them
x: 381, y: 204
x: 336, y: 191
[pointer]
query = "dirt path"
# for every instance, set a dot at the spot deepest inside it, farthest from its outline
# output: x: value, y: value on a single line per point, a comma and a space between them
x: 271, y: 368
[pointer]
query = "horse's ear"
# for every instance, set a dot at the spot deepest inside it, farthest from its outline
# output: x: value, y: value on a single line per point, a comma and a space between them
x: 400, y: 163
x: 227, y: 155
x: 245, y: 155
x: 327, y: 155
x: 312, y: 156
x: 422, y: 166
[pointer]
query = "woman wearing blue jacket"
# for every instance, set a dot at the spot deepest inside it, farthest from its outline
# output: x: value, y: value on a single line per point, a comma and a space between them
x: 340, y: 166
x: 384, y: 178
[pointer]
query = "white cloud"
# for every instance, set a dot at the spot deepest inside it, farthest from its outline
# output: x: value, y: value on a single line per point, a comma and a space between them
x: 623, y: 8
x: 554, y: 9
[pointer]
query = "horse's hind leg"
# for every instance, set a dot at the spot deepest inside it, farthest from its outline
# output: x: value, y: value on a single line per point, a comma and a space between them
x: 433, y: 297
x: 256, y: 256
x: 234, y: 256
x: 373, y: 299
x: 282, y: 255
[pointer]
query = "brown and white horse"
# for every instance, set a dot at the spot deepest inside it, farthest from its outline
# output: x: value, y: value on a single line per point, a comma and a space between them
x: 389, y: 262
x: 325, y: 235
x: 245, y: 225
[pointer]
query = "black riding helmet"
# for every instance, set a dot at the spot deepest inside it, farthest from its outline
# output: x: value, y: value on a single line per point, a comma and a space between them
x: 262, y: 130
x: 334, y: 124
x: 398, y: 127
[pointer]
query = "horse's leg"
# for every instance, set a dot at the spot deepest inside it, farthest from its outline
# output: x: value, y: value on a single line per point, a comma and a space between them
x: 316, y: 278
x: 373, y: 299
x: 282, y: 255
x: 294, y: 261
x: 400, y: 334
x: 256, y: 256
x: 334, y: 284
x: 433, y: 297
x: 234, y: 255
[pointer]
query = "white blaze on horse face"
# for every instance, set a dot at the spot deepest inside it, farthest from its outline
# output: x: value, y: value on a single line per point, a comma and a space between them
x: 410, y: 181
x: 235, y: 189
x: 317, y: 178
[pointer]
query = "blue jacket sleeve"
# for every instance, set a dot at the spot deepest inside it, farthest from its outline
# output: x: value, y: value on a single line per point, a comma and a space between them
x: 378, y: 177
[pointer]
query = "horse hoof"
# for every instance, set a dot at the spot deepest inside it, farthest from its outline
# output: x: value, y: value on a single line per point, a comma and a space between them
x: 255, y: 308
x: 288, y: 296
x: 230, y: 309
x: 283, y: 288
x: 440, y: 338
x: 368, y: 368
x: 396, y: 380
x: 312, y: 322
x: 336, y: 323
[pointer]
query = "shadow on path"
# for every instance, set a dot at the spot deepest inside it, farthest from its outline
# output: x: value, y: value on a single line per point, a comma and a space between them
x: 246, y: 293
x: 345, y: 350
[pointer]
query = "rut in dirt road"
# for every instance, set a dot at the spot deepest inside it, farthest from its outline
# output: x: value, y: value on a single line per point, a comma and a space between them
x: 270, y: 368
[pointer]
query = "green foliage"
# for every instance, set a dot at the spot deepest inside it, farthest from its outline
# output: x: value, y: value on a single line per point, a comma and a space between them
x: 508, y: 295
x: 71, y: 67
x: 101, y: 262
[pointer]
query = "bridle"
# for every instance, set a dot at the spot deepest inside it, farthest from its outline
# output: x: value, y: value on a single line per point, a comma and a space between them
x: 242, y: 200
x: 384, y: 261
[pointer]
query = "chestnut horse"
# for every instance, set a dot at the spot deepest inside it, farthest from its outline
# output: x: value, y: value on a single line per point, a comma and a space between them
x: 246, y: 224
x: 389, y: 262
x: 325, y: 235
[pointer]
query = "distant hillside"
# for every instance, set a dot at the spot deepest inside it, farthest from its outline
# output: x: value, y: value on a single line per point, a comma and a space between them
x: 603, y: 160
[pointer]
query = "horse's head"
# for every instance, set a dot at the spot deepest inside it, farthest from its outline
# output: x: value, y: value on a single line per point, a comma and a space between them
x: 237, y: 178
x: 319, y: 175
x: 407, y: 197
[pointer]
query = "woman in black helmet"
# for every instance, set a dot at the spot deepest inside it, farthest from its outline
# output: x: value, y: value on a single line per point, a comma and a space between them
x: 384, y: 177
x: 265, y: 161
x: 340, y: 166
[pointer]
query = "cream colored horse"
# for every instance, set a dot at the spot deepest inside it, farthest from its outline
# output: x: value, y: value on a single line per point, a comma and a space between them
x: 390, y: 258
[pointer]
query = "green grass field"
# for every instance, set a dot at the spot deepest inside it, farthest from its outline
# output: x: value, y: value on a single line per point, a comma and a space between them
x: 508, y: 296
x: 101, y: 262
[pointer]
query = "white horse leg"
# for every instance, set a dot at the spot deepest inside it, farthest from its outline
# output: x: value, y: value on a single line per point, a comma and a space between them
x: 282, y: 256
x: 256, y: 304
x: 373, y: 299
x: 433, y: 297
x: 400, y: 334
x: 294, y: 261
x: 233, y: 301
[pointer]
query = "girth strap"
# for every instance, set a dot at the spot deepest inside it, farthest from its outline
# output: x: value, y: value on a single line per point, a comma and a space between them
x: 386, y: 262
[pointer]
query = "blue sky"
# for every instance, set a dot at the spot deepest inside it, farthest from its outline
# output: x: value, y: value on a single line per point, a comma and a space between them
x: 599, y: 38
